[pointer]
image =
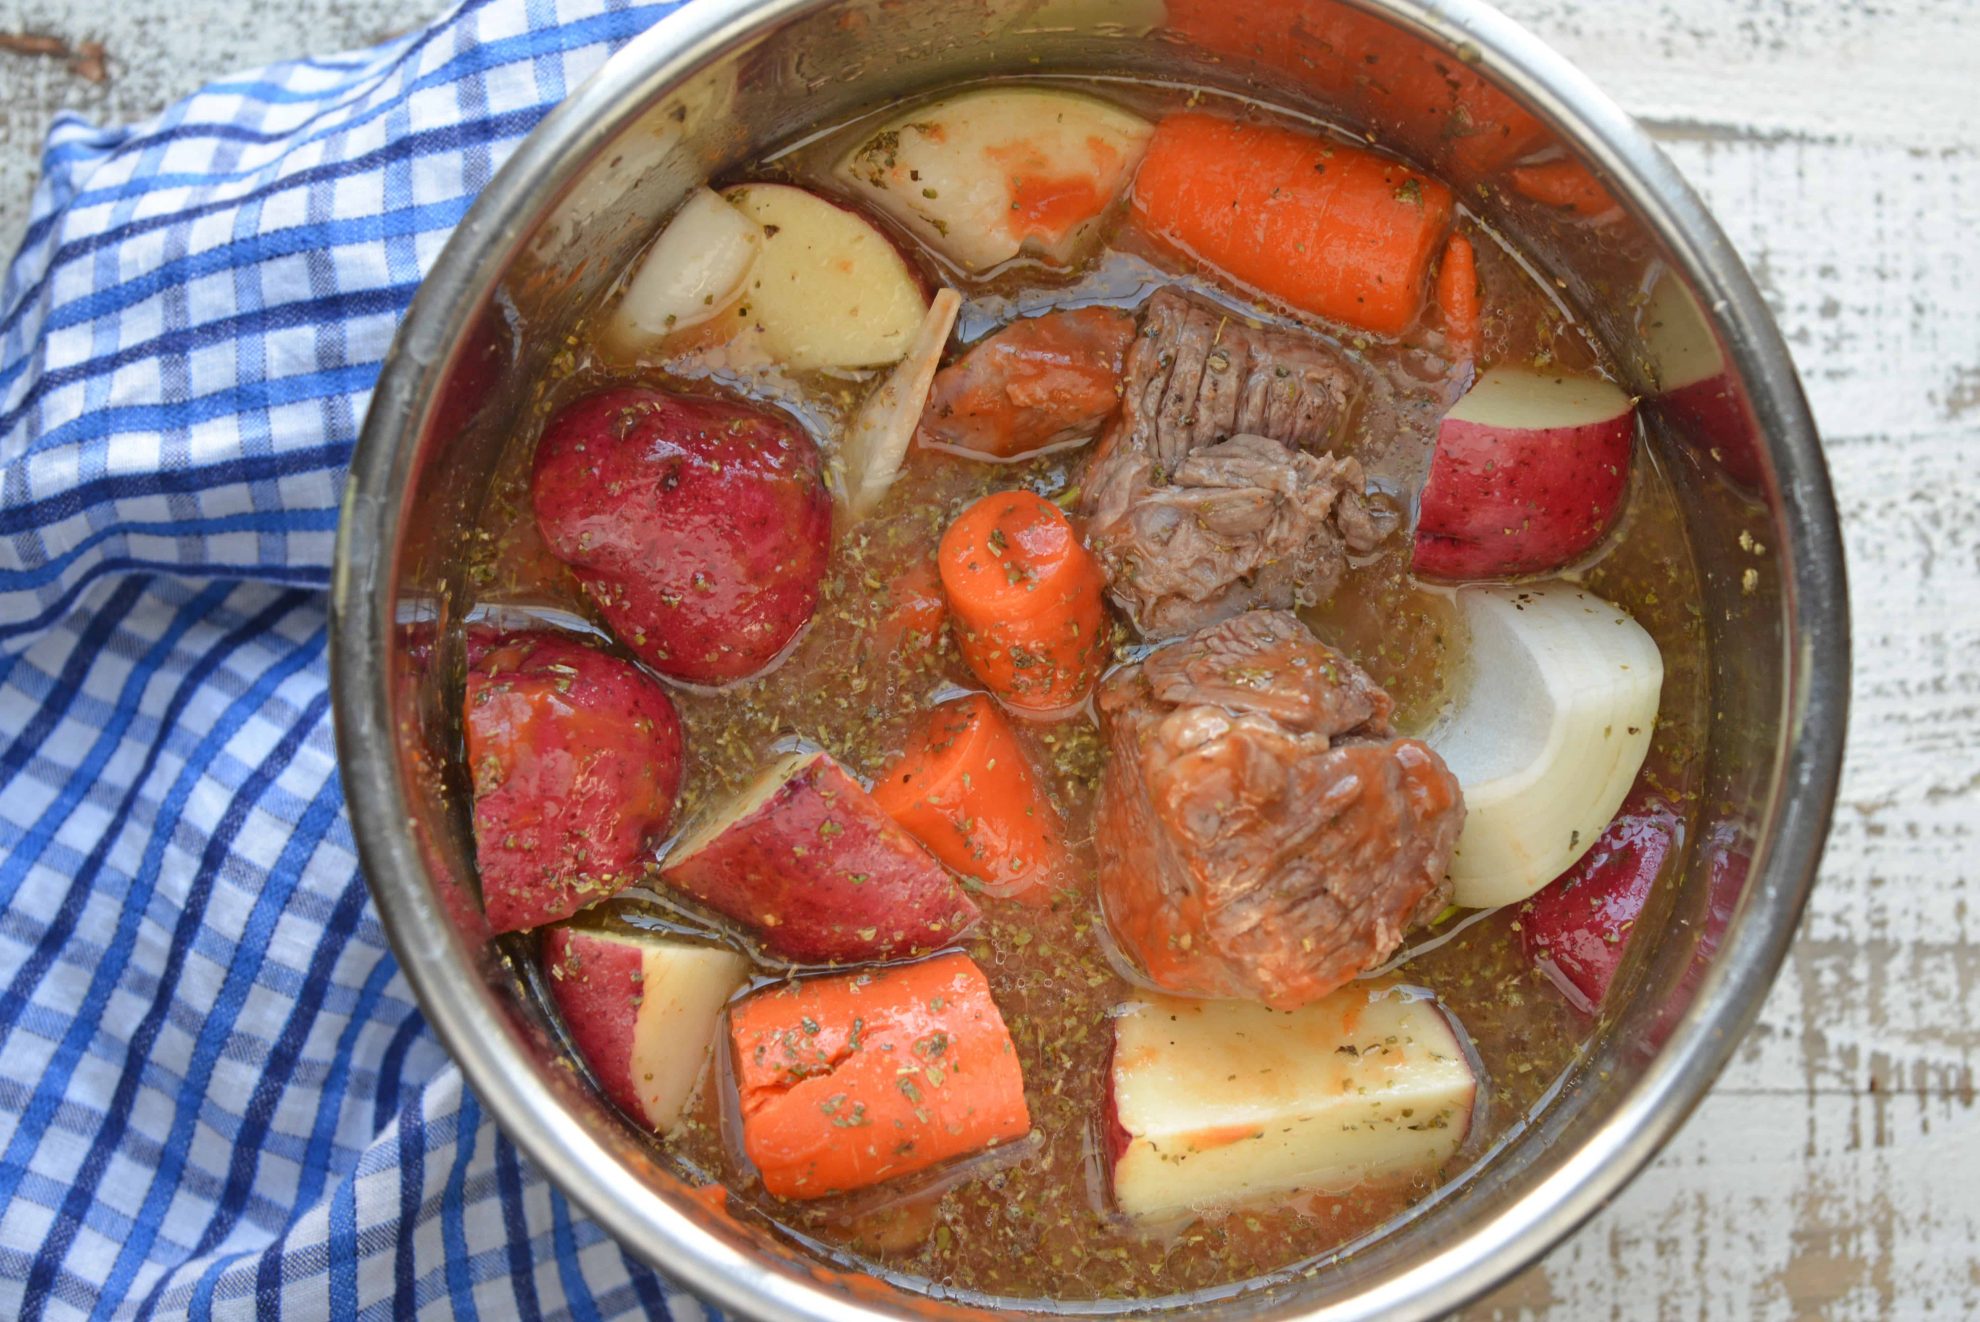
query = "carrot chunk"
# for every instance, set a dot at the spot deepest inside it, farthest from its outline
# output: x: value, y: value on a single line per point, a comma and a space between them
x: 965, y: 789
x: 1025, y: 601
x: 856, y: 1078
x: 1319, y: 226
x: 1457, y: 299
x: 1568, y: 185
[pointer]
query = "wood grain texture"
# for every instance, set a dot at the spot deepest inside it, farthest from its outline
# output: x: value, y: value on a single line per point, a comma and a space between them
x: 1835, y: 1170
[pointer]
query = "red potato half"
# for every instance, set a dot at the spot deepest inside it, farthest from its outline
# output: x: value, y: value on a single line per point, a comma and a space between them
x: 1577, y: 929
x: 1529, y: 471
x: 818, y: 870
x: 1694, y: 386
x: 576, y: 762
x: 828, y: 291
x: 642, y: 1010
x: 699, y: 527
x: 1221, y: 1103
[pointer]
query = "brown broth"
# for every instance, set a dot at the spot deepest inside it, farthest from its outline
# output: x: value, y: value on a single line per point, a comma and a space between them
x: 1033, y: 1220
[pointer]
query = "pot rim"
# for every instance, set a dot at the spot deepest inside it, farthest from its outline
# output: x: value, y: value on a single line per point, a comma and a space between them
x: 464, y: 1011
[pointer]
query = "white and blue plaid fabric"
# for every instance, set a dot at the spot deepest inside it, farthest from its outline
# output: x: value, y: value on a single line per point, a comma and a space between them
x: 216, y: 1093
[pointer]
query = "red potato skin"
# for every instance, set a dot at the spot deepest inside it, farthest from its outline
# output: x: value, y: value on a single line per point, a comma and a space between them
x: 597, y: 987
x: 576, y: 762
x: 1728, y: 863
x: 1709, y: 414
x: 1503, y: 501
x: 1036, y: 383
x: 823, y: 875
x: 699, y: 527
x: 1113, y: 1133
x: 1577, y: 929
x: 420, y: 747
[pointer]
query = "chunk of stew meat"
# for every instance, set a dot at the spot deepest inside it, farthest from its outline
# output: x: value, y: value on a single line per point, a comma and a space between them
x: 1038, y: 383
x: 1262, y: 831
x: 1206, y: 496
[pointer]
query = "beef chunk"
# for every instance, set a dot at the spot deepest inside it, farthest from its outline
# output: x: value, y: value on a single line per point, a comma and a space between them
x: 1037, y: 383
x: 1203, y: 498
x: 1262, y: 831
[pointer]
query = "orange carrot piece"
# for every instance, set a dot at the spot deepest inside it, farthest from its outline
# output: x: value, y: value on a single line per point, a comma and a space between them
x: 1568, y: 185
x: 965, y: 789
x: 1320, y: 226
x: 1457, y: 299
x: 1025, y: 601
x: 855, y: 1078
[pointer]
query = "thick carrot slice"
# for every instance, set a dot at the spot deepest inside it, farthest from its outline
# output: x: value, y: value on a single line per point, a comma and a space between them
x: 856, y: 1078
x: 965, y: 789
x: 1565, y: 184
x: 1025, y: 601
x: 1457, y: 299
x: 1317, y: 225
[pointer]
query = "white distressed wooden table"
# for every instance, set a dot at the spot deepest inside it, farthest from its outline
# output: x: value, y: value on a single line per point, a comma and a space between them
x: 1835, y: 1169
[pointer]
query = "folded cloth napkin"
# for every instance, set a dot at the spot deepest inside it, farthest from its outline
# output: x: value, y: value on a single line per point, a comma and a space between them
x: 216, y: 1093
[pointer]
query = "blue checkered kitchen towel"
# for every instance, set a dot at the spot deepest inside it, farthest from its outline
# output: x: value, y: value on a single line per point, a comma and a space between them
x: 216, y: 1094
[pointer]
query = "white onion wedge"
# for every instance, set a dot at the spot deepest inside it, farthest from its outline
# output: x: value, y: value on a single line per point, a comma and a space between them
x: 694, y: 272
x: 878, y: 439
x: 1547, y: 734
x: 984, y: 175
x: 1224, y: 1102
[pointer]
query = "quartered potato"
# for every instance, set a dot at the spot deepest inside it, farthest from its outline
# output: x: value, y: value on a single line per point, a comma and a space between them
x: 986, y: 175
x: 829, y: 290
x: 1222, y: 1103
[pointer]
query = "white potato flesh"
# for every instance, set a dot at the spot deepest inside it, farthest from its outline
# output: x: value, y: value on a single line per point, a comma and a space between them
x: 877, y: 441
x: 1519, y: 399
x: 984, y: 175
x: 682, y: 994
x: 1228, y: 1102
x: 694, y: 272
x: 717, y: 822
x: 828, y: 291
x: 1680, y: 344
x: 1546, y: 736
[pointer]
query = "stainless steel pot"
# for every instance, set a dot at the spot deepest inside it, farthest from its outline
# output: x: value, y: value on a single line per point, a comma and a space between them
x: 1449, y: 81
